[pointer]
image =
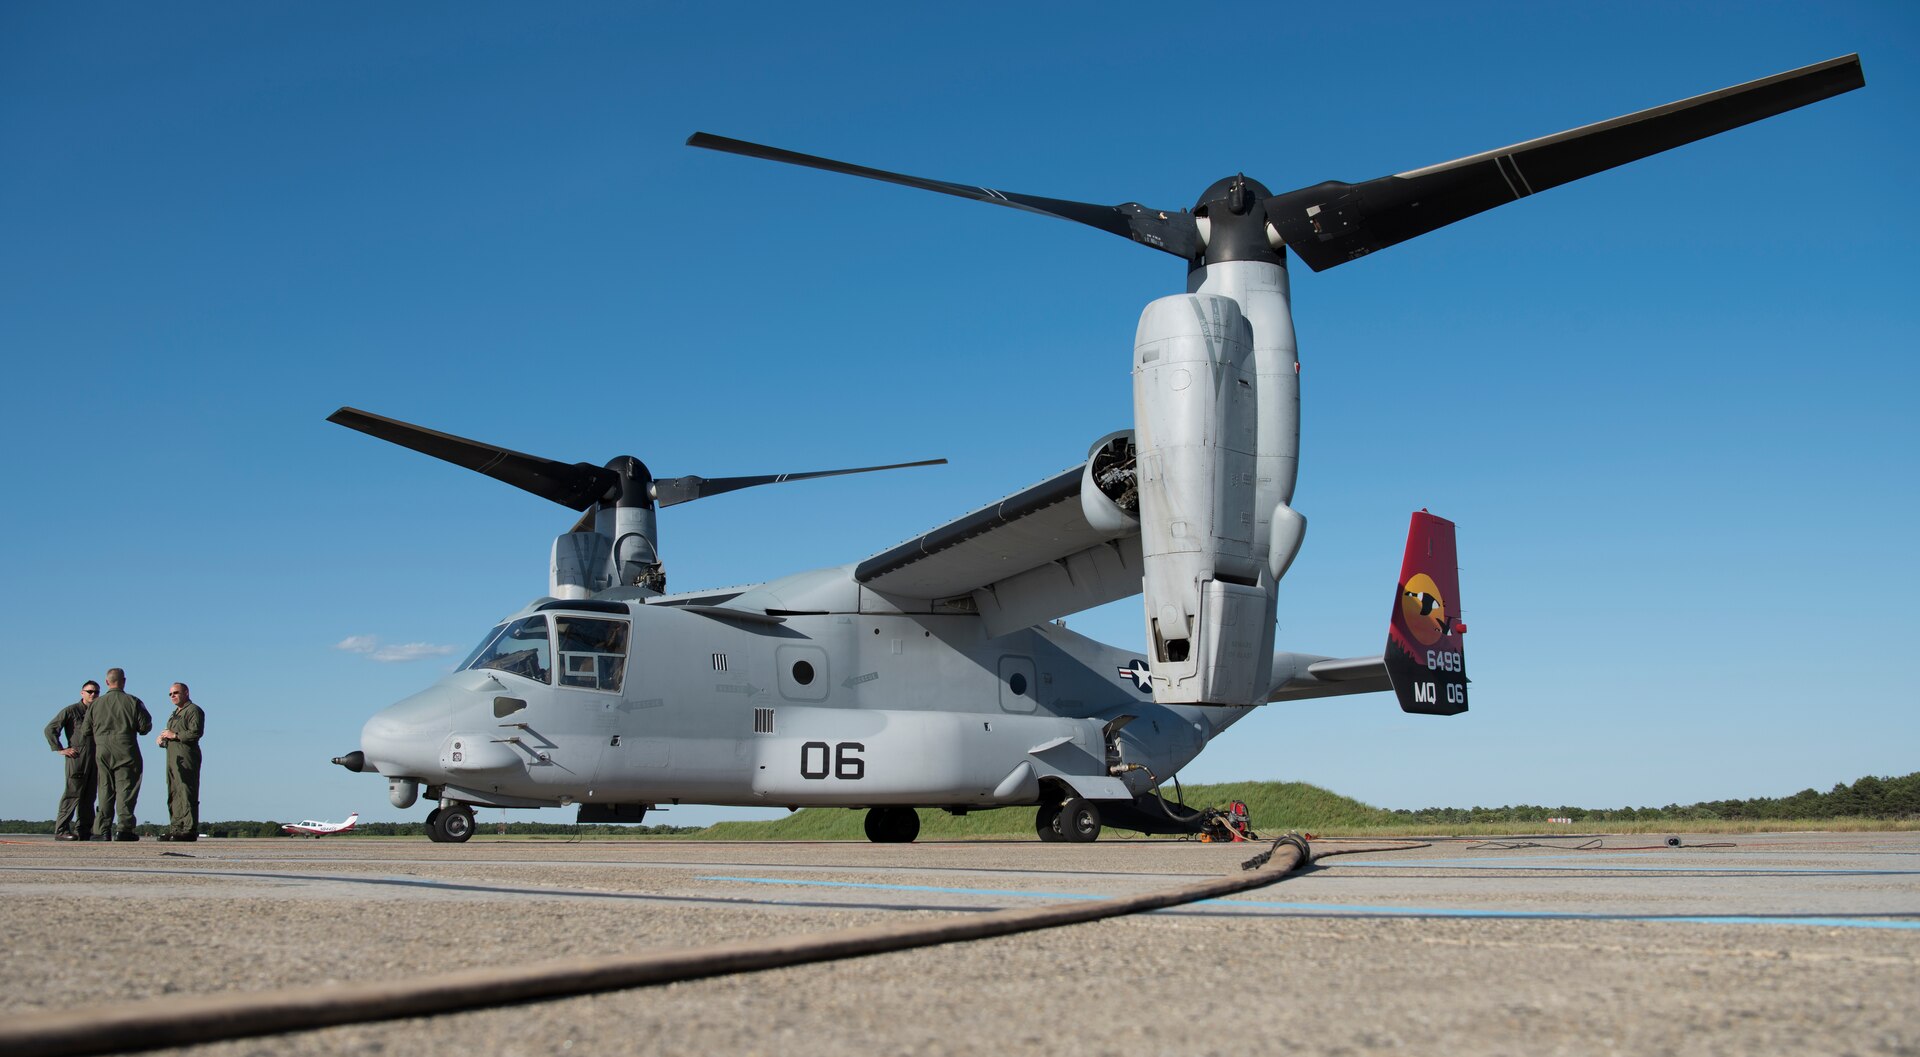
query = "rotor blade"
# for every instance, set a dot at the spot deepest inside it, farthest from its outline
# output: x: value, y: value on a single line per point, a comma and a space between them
x: 668, y: 491
x: 576, y: 485
x: 1175, y: 233
x: 1335, y: 222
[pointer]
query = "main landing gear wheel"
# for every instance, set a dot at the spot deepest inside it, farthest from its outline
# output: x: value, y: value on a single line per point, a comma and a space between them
x: 450, y: 825
x: 1046, y: 823
x: 892, y: 825
x: 1079, y: 820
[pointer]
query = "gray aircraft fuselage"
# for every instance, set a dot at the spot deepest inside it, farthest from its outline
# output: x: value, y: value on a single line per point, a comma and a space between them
x: 850, y: 702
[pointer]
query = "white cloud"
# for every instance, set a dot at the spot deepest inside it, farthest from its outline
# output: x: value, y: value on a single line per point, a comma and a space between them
x: 369, y: 646
x: 411, y: 651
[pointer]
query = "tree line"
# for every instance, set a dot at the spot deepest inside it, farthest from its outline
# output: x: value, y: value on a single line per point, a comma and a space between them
x: 1869, y: 797
x: 270, y: 828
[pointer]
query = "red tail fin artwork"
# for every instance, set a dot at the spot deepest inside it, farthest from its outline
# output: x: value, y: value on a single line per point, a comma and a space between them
x: 1426, y: 658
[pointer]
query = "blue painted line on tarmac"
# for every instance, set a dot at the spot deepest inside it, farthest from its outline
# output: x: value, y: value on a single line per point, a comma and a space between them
x: 1889, y: 921
x: 1351, y: 910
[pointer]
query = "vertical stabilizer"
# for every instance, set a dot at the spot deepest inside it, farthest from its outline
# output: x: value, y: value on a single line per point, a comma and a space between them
x: 1426, y: 658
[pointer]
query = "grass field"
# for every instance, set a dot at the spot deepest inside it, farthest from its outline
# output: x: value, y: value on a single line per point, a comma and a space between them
x: 1869, y: 804
x: 1279, y: 806
x: 1275, y: 807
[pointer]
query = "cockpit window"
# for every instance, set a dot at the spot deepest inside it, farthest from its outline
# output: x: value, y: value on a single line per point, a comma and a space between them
x: 481, y: 649
x: 519, y: 648
x: 593, y: 652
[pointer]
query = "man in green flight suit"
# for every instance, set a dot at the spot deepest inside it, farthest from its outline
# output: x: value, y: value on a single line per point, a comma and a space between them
x: 75, y: 820
x: 181, y: 739
x: 116, y: 721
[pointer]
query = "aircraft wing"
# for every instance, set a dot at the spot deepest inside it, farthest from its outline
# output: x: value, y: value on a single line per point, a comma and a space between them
x: 1030, y: 557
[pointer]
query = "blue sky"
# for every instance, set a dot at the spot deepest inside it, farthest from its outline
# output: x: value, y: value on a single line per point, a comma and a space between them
x: 1670, y: 406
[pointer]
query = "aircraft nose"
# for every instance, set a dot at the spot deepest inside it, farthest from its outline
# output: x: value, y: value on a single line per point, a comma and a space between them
x: 392, y: 746
x: 404, y: 739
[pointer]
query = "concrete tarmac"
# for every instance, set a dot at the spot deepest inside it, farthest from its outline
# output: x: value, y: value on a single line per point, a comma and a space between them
x: 1783, y: 943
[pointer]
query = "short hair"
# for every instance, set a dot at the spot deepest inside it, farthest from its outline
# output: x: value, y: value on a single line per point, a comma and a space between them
x: 116, y: 677
x: 96, y: 686
x: 184, y: 692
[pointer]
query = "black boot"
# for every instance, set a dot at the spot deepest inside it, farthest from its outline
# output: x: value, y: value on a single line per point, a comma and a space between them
x: 126, y: 834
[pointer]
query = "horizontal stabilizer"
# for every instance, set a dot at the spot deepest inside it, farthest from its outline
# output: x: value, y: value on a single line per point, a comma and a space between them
x: 1299, y: 676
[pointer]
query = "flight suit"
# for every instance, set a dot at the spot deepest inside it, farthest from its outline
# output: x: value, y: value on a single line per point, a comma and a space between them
x: 187, y: 723
x: 116, y: 721
x: 76, y: 802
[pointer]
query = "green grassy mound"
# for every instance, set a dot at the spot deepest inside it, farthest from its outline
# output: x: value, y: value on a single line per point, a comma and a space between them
x: 1275, y: 806
x: 1871, y: 803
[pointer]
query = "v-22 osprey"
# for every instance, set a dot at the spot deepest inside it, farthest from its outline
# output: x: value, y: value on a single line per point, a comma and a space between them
x: 934, y: 674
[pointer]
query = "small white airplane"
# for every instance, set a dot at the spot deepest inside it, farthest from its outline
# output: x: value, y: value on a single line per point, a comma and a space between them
x: 316, y: 829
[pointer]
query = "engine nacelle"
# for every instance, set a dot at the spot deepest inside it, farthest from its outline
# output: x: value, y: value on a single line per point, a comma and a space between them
x: 579, y: 565
x: 1110, y: 485
x: 1209, y: 591
x: 619, y: 552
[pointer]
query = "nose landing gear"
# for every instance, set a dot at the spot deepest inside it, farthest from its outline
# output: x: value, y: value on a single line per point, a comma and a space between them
x: 450, y: 823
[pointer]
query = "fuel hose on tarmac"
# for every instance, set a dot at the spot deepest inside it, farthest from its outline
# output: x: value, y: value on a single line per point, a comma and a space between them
x: 181, y: 1020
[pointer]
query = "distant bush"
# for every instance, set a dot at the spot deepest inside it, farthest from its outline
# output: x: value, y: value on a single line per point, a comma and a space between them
x: 1870, y: 797
x: 1275, y: 805
x: 22, y: 825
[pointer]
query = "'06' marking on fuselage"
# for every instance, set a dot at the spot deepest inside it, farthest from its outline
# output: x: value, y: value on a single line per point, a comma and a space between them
x: 848, y: 764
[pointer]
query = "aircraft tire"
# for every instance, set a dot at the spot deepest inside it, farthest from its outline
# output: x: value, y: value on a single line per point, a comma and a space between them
x: 433, y: 827
x: 1079, y: 821
x: 1046, y: 823
x: 892, y: 825
x: 456, y: 825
